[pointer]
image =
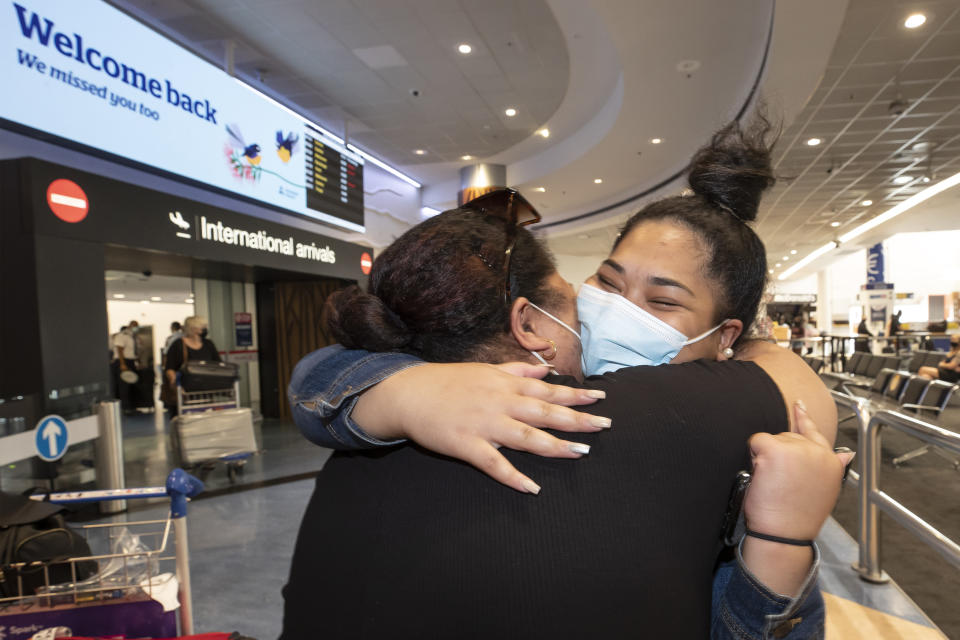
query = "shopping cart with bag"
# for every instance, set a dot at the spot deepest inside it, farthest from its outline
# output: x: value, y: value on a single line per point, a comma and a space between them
x: 131, y: 592
x: 211, y: 427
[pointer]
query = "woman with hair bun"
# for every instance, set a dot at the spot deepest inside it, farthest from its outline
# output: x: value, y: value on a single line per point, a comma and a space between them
x: 625, y: 543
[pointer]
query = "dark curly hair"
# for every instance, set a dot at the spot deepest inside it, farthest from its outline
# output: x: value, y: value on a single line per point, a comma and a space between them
x: 728, y: 177
x: 437, y: 291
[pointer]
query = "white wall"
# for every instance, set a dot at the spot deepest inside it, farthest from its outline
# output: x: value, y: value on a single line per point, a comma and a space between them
x: 576, y: 269
x: 922, y: 263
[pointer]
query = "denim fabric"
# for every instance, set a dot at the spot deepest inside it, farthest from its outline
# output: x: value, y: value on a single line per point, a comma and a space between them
x: 743, y: 609
x: 326, y: 385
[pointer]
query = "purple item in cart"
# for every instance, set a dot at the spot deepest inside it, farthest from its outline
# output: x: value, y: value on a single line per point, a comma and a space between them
x: 142, y: 618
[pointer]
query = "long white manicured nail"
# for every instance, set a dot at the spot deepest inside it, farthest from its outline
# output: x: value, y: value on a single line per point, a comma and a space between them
x: 577, y: 447
x: 601, y: 422
x: 595, y: 393
x: 530, y: 486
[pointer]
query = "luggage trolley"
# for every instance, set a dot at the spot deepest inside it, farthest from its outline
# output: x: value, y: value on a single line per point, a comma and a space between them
x: 211, y: 427
x: 118, y: 599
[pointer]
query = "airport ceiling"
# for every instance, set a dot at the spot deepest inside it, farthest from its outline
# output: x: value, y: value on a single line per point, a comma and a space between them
x: 887, y: 114
x: 607, y: 77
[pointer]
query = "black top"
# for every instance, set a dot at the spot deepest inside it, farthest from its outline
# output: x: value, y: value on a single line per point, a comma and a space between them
x: 207, y: 352
x: 402, y: 543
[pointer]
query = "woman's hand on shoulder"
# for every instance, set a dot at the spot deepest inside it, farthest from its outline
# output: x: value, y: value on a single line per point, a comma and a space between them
x: 468, y: 410
x: 796, y: 480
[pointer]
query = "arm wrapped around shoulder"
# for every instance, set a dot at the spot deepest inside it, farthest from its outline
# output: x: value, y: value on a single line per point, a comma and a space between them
x: 360, y: 320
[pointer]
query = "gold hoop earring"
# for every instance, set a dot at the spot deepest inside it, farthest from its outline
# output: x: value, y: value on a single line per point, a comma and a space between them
x: 554, y: 353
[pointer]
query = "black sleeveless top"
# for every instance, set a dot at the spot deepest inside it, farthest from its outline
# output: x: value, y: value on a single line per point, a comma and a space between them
x: 621, y: 543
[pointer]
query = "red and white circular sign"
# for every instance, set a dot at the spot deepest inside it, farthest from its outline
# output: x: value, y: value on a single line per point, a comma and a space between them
x: 67, y: 200
x: 366, y: 263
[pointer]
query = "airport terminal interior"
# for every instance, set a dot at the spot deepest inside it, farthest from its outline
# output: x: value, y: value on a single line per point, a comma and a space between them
x: 185, y: 183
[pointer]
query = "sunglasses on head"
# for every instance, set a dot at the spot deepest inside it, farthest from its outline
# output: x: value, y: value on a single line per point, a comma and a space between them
x: 511, y: 207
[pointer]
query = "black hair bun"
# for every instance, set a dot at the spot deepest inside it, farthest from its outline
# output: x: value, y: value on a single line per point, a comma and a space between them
x: 733, y: 171
x: 360, y: 320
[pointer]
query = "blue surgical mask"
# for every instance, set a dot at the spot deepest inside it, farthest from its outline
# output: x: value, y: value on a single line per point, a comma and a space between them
x: 615, y: 333
x: 558, y: 321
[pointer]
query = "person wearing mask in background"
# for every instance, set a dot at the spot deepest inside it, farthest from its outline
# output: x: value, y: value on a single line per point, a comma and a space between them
x: 193, y: 345
x: 175, y: 334
x: 124, y: 358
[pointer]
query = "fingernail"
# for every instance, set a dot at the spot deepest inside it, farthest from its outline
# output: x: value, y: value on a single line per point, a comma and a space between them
x: 577, y: 447
x: 595, y: 393
x: 601, y: 422
x: 801, y: 406
x: 548, y: 366
x: 530, y: 486
x: 843, y: 450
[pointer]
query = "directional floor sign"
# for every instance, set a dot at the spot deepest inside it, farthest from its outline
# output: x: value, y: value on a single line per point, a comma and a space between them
x: 51, y: 438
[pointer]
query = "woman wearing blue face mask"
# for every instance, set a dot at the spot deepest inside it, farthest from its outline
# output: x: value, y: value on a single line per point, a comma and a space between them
x: 392, y: 508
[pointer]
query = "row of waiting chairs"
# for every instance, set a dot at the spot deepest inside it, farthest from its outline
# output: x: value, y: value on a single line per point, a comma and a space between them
x: 933, y: 401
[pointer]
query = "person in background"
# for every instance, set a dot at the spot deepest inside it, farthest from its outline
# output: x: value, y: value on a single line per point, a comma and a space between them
x: 894, y: 326
x: 193, y: 345
x: 124, y: 359
x: 168, y: 392
x: 947, y: 370
x: 175, y: 334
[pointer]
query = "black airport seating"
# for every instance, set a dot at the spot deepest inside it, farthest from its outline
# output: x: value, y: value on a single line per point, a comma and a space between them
x: 860, y: 370
x: 925, y: 359
x: 939, y: 405
x: 815, y: 363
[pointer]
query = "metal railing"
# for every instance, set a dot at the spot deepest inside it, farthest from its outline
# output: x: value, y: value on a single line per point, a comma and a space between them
x: 872, y: 500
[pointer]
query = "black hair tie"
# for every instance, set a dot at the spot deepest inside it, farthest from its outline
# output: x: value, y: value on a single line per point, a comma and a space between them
x: 791, y: 541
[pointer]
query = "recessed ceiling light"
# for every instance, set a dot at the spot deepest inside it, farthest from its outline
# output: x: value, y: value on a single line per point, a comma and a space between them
x: 119, y: 296
x: 914, y: 20
x: 543, y: 133
x: 656, y: 140
x: 597, y: 180
x: 925, y: 179
x: 189, y: 300
x: 510, y: 111
x: 466, y: 157
x: 812, y: 142
x: 902, y: 179
x: 777, y: 265
x: 420, y: 152
x: 464, y: 48
x: 834, y: 224
x: 867, y: 203
x: 156, y: 298
x: 540, y: 189
x: 144, y: 302
x: 770, y: 271
x: 785, y: 258
x: 793, y: 252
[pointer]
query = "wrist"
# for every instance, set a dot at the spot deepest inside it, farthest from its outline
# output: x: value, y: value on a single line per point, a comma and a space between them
x: 781, y: 568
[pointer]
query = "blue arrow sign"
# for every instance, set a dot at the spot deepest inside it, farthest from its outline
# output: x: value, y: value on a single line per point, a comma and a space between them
x: 51, y: 438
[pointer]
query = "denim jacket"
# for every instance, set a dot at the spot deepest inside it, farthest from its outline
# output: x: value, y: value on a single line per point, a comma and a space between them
x: 325, y: 386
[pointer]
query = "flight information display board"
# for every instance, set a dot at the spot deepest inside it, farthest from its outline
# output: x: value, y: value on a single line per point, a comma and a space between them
x: 91, y: 75
x: 334, y: 180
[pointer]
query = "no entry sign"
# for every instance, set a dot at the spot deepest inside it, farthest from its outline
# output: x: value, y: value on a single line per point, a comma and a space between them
x: 67, y: 200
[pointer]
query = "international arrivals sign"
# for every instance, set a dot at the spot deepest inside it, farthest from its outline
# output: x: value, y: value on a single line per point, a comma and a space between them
x: 85, y: 72
x: 74, y: 204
